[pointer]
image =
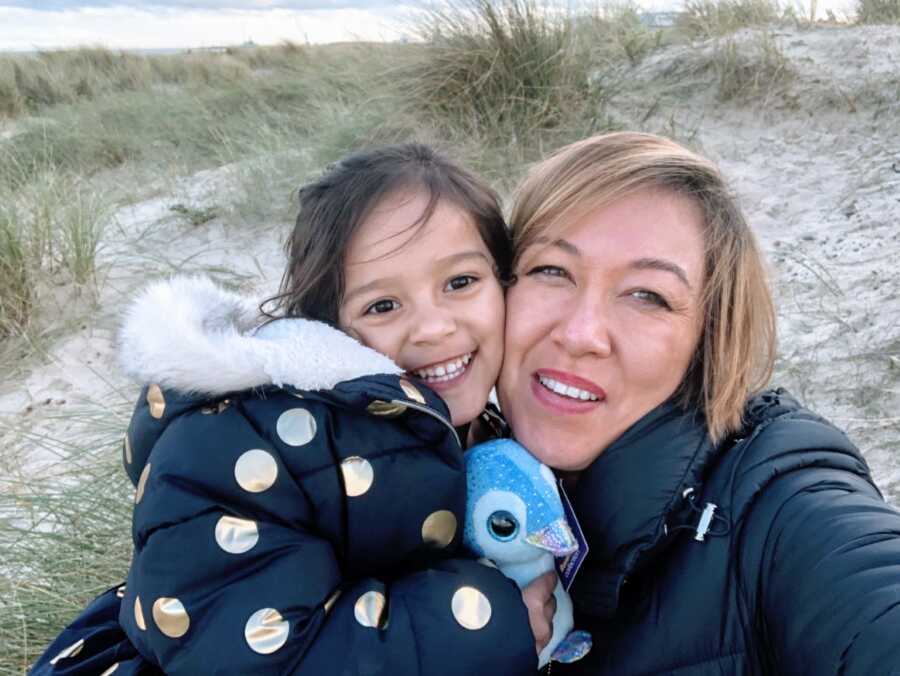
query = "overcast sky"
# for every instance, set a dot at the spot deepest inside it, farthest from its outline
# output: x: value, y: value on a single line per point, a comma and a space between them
x: 34, y: 24
x: 42, y: 24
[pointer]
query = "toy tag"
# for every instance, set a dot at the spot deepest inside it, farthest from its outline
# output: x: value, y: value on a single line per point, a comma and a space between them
x: 567, y: 566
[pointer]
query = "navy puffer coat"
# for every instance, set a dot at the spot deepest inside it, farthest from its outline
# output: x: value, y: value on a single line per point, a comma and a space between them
x: 795, y: 568
x: 294, y: 514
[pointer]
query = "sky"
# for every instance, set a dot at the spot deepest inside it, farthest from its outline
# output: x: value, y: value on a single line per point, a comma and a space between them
x: 156, y: 24
x: 41, y: 24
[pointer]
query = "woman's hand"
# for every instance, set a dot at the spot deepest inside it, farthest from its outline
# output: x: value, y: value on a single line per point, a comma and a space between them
x: 541, y: 603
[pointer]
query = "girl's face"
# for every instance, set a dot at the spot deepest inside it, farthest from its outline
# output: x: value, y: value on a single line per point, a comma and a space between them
x: 426, y: 296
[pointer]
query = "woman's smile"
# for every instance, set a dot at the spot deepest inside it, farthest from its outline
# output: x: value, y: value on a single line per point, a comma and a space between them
x: 566, y: 392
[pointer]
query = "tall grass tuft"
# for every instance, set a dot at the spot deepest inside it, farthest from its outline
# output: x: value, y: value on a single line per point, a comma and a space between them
x: 16, y: 293
x: 715, y: 18
x: 750, y: 70
x: 878, y: 11
x: 64, y: 532
x: 498, y: 68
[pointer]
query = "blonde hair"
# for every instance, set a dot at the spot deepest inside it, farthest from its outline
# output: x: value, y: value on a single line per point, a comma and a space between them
x: 736, y: 351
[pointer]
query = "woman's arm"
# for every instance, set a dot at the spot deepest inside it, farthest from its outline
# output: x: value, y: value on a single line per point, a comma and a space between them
x: 828, y: 575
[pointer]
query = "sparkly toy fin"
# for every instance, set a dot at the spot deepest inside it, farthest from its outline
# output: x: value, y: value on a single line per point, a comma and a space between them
x: 573, y: 647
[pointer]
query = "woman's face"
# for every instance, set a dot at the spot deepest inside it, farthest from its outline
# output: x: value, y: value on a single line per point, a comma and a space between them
x: 602, y: 325
x: 426, y: 296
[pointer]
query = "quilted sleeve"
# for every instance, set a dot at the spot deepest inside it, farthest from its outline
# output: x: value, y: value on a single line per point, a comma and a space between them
x: 829, y: 576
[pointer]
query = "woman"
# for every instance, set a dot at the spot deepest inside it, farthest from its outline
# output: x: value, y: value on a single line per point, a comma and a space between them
x: 727, y: 533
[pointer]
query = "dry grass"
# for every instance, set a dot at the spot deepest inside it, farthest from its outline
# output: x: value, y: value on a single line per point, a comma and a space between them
x: 715, y: 18
x: 878, y: 11
x: 750, y: 70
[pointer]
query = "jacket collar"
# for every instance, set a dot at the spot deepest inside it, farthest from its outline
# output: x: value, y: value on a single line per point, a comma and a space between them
x: 190, y: 335
x: 625, y: 499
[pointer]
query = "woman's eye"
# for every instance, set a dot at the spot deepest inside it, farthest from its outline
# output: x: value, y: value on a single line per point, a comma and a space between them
x: 460, y: 282
x: 651, y: 297
x: 379, y: 307
x: 548, y: 271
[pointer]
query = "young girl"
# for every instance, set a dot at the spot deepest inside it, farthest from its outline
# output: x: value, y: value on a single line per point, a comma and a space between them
x: 299, y: 497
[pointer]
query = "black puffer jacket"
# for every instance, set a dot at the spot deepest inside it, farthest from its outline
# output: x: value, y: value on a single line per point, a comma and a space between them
x: 293, y: 515
x: 796, y: 572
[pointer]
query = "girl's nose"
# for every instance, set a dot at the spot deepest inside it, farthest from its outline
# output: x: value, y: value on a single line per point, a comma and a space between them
x: 432, y: 324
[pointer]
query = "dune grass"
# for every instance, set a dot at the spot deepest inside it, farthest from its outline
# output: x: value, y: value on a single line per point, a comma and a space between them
x: 65, y: 533
x: 878, y: 11
x: 715, y: 18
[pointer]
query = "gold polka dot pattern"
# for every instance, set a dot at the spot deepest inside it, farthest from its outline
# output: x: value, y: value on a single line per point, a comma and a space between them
x: 386, y: 409
x: 235, y: 535
x: 171, y: 617
x: 358, y: 476
x: 411, y: 391
x: 71, y: 651
x: 142, y: 484
x: 369, y: 610
x: 296, y: 427
x: 266, y: 631
x: 471, y: 608
x: 439, y: 528
x: 139, y: 614
x: 256, y: 471
x: 156, y: 401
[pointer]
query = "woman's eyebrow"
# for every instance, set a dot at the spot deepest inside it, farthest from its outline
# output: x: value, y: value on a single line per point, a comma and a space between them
x: 639, y: 264
x: 565, y: 245
x: 661, y: 264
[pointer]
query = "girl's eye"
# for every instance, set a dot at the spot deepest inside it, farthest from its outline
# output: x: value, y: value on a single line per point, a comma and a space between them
x: 380, y: 307
x: 652, y: 298
x: 548, y: 271
x: 460, y: 282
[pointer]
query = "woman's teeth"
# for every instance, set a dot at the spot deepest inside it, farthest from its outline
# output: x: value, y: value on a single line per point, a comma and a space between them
x: 440, y: 373
x: 566, y: 390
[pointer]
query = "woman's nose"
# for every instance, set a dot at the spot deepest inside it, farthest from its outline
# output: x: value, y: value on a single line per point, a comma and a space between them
x: 583, y: 328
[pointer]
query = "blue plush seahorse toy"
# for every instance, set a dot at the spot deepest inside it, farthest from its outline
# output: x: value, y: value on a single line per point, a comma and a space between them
x: 515, y: 518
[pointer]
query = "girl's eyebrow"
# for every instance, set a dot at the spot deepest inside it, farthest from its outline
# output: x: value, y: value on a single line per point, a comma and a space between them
x: 445, y: 261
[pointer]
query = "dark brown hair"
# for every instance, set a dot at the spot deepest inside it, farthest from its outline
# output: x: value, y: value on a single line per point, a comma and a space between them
x: 333, y: 207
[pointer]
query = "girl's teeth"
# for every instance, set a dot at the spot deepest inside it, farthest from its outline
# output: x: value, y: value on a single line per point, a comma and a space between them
x: 446, y: 371
x: 566, y: 390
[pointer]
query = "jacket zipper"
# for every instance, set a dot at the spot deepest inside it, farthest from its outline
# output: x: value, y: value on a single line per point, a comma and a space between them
x: 434, y: 414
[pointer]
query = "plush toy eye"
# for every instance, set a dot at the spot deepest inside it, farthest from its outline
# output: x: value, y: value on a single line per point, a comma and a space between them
x: 502, y: 525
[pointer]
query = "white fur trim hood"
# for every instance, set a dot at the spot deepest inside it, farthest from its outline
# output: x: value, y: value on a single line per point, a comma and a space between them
x: 193, y: 336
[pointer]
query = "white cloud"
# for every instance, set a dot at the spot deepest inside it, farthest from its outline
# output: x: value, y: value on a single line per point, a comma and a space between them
x: 125, y: 27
